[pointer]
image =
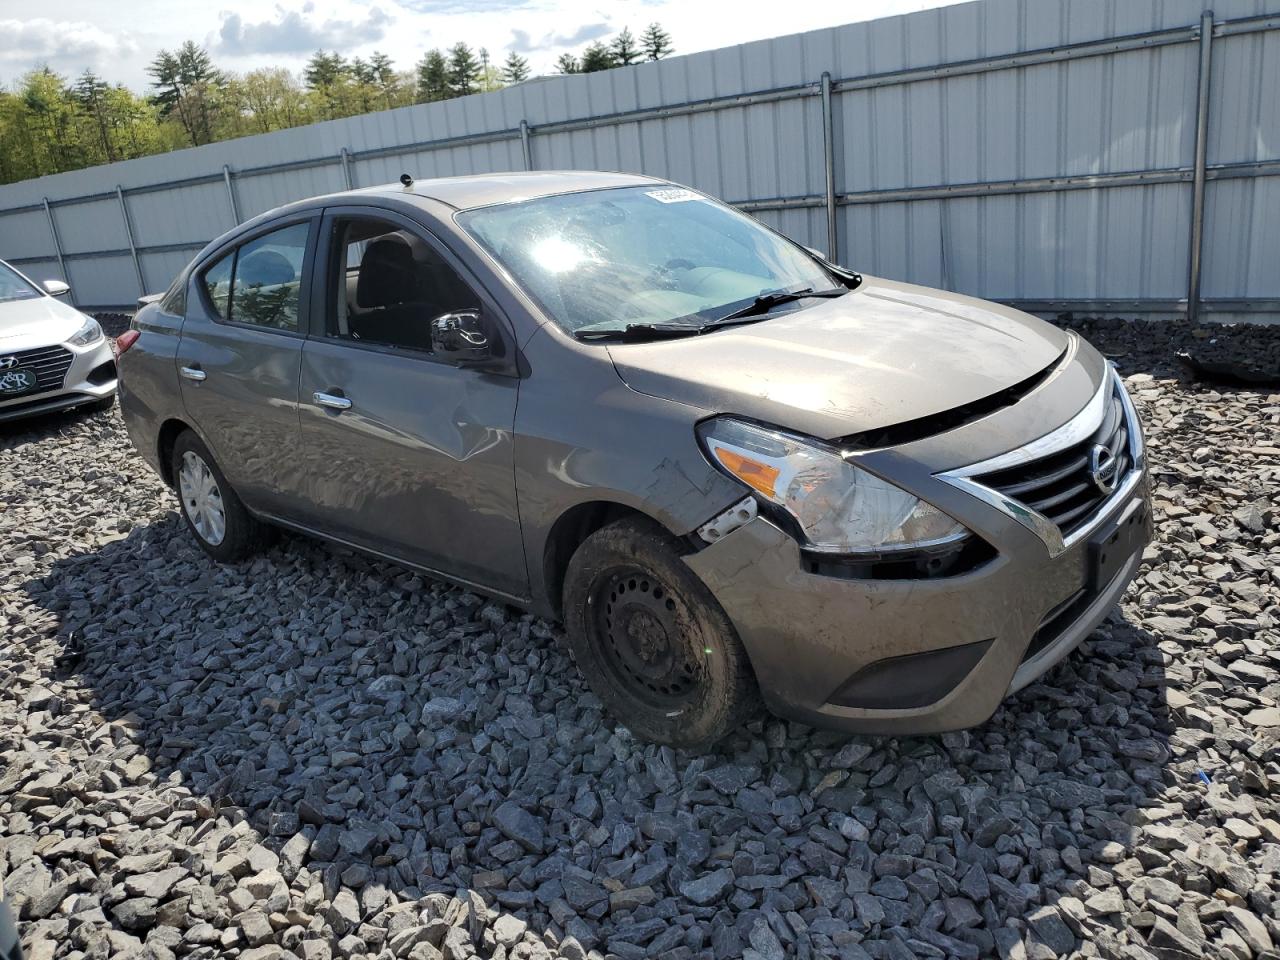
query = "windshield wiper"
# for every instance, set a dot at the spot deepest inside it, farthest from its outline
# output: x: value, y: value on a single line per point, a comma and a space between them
x: 767, y: 301
x: 641, y: 331
x: 757, y: 308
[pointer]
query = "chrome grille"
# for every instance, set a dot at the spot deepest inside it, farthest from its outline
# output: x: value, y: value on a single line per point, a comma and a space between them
x: 1061, y: 486
x: 50, y: 364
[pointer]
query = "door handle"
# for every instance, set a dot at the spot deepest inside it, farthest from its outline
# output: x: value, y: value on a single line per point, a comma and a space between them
x: 331, y: 401
x: 194, y: 373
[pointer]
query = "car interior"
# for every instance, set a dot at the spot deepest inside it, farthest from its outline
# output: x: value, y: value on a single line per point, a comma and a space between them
x: 394, y: 285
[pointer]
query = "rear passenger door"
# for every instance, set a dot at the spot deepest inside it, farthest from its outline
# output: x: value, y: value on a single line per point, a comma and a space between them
x: 239, y: 357
x: 403, y: 453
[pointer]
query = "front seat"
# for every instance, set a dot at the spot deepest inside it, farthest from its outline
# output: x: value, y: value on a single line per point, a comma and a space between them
x: 388, y: 297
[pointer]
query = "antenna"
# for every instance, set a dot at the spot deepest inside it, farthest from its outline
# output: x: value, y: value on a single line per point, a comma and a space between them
x: 406, y: 180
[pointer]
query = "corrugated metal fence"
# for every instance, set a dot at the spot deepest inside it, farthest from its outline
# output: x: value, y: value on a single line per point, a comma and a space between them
x: 1115, y: 156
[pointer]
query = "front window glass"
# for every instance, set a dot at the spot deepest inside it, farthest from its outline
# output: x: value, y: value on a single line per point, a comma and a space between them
x: 390, y: 284
x: 604, y: 259
x: 13, y: 287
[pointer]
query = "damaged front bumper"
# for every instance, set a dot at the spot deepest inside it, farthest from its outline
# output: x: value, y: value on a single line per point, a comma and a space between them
x: 926, y: 655
x: 905, y: 656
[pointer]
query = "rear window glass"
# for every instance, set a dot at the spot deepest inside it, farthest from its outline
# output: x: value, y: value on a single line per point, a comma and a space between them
x: 259, y: 282
x: 217, y: 283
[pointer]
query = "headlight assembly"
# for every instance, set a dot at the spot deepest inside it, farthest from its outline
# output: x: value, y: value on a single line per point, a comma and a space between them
x: 87, y: 334
x: 839, y: 507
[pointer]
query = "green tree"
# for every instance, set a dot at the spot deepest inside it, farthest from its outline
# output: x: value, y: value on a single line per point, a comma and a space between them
x: 568, y: 63
x: 135, y: 125
x: 91, y: 93
x: 272, y: 100
x: 325, y: 70
x: 51, y: 121
x: 624, y: 49
x: 656, y: 42
x: 328, y: 76
x: 385, y: 78
x: 596, y: 57
x: 433, y: 77
x: 187, y: 86
x: 464, y: 70
x: 515, y: 69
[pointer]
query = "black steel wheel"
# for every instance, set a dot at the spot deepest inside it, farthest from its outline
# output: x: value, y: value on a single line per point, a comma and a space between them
x: 646, y: 637
x: 651, y: 639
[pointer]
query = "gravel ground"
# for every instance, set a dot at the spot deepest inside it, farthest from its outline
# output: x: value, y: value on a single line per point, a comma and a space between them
x: 316, y: 755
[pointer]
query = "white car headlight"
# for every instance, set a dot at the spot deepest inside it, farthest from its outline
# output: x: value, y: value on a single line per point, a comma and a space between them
x: 91, y: 332
x: 839, y: 507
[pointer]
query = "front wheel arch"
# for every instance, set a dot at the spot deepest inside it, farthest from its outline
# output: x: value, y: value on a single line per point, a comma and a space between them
x: 568, y: 533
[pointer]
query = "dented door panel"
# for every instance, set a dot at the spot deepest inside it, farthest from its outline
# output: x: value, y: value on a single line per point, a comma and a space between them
x: 419, y: 466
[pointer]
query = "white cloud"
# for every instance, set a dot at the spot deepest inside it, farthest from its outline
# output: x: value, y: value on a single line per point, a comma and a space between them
x: 65, y: 45
x: 522, y: 42
x: 296, y: 31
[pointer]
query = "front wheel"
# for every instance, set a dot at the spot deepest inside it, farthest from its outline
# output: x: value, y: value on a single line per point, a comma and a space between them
x: 214, y: 514
x: 652, y: 641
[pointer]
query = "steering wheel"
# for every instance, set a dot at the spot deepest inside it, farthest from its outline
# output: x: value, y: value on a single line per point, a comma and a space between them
x: 664, y: 276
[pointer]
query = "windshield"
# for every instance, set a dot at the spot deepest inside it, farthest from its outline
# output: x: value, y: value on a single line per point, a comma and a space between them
x: 606, y: 259
x: 13, y: 286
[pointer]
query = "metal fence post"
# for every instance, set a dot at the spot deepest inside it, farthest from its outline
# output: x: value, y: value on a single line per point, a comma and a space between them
x: 829, y: 167
x: 1194, y: 260
x: 526, y: 146
x: 133, y: 247
x: 345, y: 157
x: 57, y: 244
x: 231, y: 193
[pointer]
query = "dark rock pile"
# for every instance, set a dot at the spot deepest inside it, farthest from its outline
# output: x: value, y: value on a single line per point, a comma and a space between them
x: 314, y: 755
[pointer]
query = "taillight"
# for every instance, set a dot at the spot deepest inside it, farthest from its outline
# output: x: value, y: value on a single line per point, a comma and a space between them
x: 126, y: 340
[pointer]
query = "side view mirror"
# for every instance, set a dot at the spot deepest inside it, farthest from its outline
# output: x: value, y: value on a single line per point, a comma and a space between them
x: 56, y: 288
x: 465, y: 337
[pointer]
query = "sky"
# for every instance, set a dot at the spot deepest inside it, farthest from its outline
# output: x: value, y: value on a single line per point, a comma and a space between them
x: 118, y: 38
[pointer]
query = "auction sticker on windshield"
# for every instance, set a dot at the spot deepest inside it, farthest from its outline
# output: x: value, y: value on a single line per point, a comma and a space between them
x: 673, y: 196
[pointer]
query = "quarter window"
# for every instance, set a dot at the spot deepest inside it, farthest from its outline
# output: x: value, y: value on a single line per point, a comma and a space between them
x: 389, y: 285
x: 217, y: 283
x: 258, y: 283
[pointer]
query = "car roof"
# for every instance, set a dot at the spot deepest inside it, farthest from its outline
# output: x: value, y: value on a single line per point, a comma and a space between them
x: 482, y: 190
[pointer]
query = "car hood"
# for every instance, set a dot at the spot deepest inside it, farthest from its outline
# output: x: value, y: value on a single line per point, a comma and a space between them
x: 884, y: 354
x: 37, y: 322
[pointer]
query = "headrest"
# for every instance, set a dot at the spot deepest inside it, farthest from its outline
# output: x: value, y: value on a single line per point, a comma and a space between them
x: 387, y: 274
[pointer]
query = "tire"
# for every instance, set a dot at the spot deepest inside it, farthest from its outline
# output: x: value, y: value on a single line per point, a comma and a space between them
x: 101, y: 406
x: 202, y: 496
x: 652, y: 641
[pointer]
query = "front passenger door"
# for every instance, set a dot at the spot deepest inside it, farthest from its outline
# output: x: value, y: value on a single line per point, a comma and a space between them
x: 404, y: 454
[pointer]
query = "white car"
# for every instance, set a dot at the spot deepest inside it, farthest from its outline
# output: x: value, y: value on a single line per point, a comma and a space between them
x: 52, y: 356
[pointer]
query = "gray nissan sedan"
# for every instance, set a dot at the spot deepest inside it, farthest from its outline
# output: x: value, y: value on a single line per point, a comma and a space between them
x: 735, y: 470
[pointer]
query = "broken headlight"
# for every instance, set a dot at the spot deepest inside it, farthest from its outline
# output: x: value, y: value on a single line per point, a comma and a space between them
x: 840, y: 508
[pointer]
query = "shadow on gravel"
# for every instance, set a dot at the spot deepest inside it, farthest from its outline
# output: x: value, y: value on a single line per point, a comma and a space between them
x: 36, y: 429
x: 424, y: 739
